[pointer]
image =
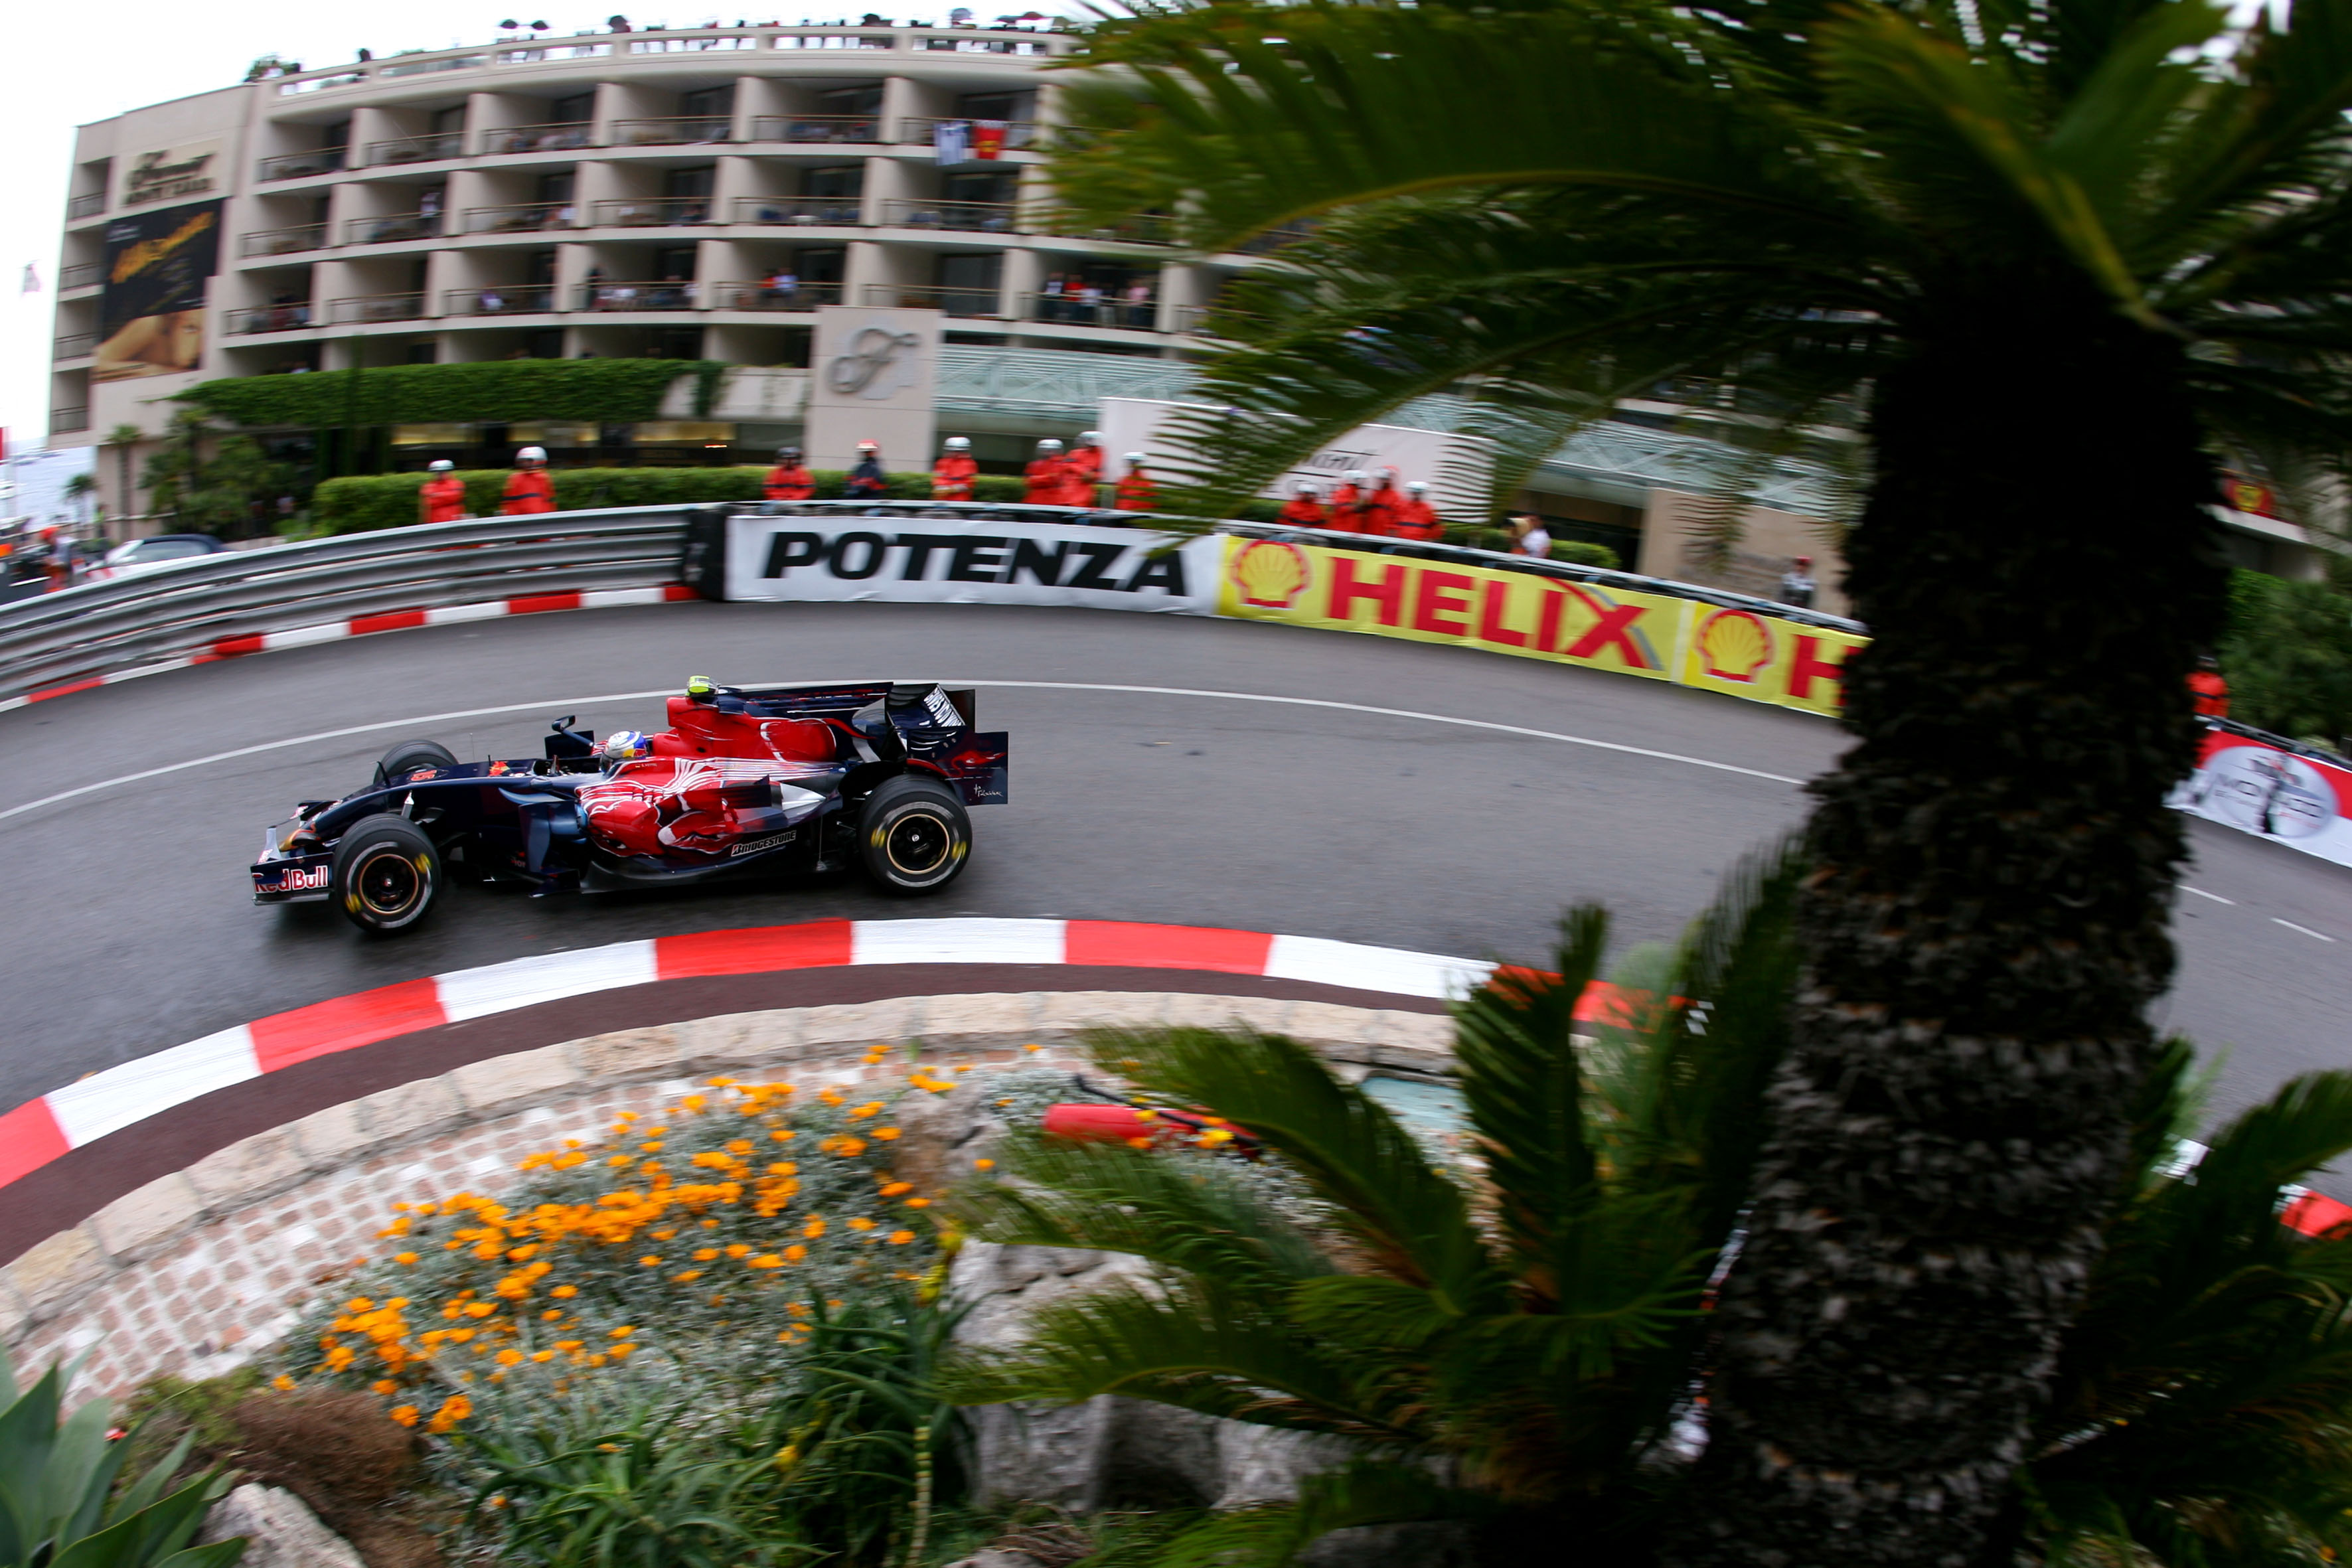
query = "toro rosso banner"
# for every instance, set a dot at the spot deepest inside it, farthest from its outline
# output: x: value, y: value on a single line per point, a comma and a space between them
x: 968, y: 561
x: 2247, y: 783
x: 1659, y: 637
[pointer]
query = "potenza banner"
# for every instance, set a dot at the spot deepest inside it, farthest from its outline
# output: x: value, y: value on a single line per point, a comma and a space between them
x: 968, y: 561
x: 2246, y: 784
x: 1741, y: 653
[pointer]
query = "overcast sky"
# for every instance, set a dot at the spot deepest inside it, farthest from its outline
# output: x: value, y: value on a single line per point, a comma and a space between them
x: 73, y: 65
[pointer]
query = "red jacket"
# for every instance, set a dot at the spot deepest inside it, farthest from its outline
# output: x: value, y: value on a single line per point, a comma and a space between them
x: 1138, y: 493
x: 529, y: 490
x: 789, y: 481
x: 1303, y: 511
x: 1415, y: 519
x: 1046, y: 481
x: 1378, y: 514
x: 1088, y: 460
x: 444, y: 496
x: 1346, y: 502
x: 2210, y: 693
x: 951, y: 478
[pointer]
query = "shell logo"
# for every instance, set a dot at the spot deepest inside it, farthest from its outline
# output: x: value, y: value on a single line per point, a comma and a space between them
x: 1734, y: 645
x: 1271, y: 573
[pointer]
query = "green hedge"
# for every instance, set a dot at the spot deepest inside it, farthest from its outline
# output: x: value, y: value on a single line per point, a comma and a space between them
x: 389, y: 500
x: 489, y: 390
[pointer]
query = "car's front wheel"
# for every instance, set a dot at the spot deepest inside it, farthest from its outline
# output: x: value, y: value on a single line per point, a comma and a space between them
x: 386, y: 874
x: 914, y: 836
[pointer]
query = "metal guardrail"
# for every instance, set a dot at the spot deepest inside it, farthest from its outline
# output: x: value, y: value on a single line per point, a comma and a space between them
x: 101, y: 628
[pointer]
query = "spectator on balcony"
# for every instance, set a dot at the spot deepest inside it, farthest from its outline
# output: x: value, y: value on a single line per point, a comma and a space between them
x: 788, y: 480
x: 1414, y: 517
x: 528, y: 488
x: 952, y: 475
x: 1138, y: 304
x: 442, y: 497
x: 782, y: 288
x: 1797, y: 586
x: 618, y: 23
x: 491, y: 302
x: 867, y: 480
x: 1304, y: 509
x: 1136, y: 491
x: 1046, y: 474
x: 1090, y: 306
x: 1530, y: 537
x: 1049, y: 298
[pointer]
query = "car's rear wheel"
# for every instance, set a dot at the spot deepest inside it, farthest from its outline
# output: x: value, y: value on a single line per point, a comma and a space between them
x: 914, y: 836
x: 410, y: 755
x: 386, y: 874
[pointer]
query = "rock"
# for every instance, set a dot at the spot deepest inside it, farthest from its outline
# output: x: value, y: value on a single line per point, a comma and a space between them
x: 280, y: 1528
x: 942, y: 1134
x: 994, y: 1557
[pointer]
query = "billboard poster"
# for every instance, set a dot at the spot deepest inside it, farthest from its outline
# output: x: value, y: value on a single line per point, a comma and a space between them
x: 2257, y: 788
x: 173, y: 174
x: 934, y: 560
x: 158, y: 267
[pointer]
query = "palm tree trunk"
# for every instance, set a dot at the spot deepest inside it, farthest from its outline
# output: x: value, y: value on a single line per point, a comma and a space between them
x: 1985, y: 927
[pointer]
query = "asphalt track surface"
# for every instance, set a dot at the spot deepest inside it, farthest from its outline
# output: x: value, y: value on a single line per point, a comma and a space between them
x: 127, y: 924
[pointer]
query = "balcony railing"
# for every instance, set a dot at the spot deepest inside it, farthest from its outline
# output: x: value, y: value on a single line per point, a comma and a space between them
x: 979, y: 218
x: 299, y: 165
x: 417, y: 149
x: 1073, y: 309
x: 282, y: 241
x: 671, y: 294
x: 1020, y: 135
x: 77, y: 345
x: 1190, y: 318
x: 63, y: 421
x: 391, y: 228
x: 816, y: 128
x: 678, y: 131
x: 78, y: 275
x: 561, y: 137
x: 524, y: 218
x: 269, y: 318
x: 770, y: 297
x: 365, y: 307
x: 947, y: 300
x: 89, y: 203
x: 965, y: 43
x: 1141, y: 230
x: 501, y: 300
x: 835, y: 41
x: 833, y: 212
x: 653, y: 212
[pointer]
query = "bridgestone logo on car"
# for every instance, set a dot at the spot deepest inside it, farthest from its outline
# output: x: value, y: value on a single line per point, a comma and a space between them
x: 754, y: 846
x: 960, y: 561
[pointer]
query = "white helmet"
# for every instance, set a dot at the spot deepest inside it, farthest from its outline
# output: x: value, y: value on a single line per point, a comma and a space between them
x: 959, y: 443
x: 1357, y: 476
x: 532, y: 455
x: 1418, y: 485
x: 1049, y: 445
x: 440, y: 465
x: 788, y: 454
x: 1306, y: 489
x: 625, y: 746
x: 1134, y: 457
x: 1089, y: 437
x: 869, y: 446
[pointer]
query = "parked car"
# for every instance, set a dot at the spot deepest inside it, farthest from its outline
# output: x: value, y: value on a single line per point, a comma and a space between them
x: 142, y: 555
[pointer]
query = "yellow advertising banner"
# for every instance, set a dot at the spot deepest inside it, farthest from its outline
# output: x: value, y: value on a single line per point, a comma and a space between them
x: 1742, y: 653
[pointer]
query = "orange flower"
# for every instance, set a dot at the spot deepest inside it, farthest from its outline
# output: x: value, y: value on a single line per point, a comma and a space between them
x: 282, y: 1383
x: 886, y: 1133
x: 381, y: 1386
x: 650, y: 1262
x: 918, y: 1203
x: 404, y: 1413
x: 900, y: 1237
x: 565, y: 1292
x: 509, y: 1358
x: 861, y: 1225
x: 623, y: 1331
x: 896, y: 1188
x: 814, y: 1228
x: 403, y: 1258
x: 986, y: 1164
x: 794, y: 1253
x: 705, y: 1254
x: 767, y: 1260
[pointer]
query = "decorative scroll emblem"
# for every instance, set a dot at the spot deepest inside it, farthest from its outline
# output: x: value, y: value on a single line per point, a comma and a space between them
x: 876, y: 364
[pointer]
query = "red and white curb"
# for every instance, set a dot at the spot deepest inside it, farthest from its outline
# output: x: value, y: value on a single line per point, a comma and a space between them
x: 66, y: 1118
x: 368, y: 625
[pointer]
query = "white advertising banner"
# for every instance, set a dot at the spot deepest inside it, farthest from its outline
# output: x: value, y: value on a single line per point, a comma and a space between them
x: 1455, y: 466
x: 2300, y: 801
x: 969, y: 561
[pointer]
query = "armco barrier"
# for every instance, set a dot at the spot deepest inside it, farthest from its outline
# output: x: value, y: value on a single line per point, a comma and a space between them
x: 221, y: 605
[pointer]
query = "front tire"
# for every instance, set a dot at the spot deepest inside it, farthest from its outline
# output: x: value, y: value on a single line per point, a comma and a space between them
x: 914, y: 836
x: 386, y: 874
x: 405, y: 758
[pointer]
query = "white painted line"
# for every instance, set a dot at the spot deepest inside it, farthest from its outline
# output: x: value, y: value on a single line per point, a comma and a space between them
x: 617, y: 598
x: 564, y: 704
x: 545, y: 977
x: 1361, y: 968
x: 958, y: 941
x: 107, y: 1102
x: 2304, y: 929
x: 306, y: 636
x: 2203, y: 894
x: 455, y: 615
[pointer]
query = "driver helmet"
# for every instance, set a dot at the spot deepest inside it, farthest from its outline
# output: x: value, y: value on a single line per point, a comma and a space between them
x: 1049, y: 445
x: 788, y: 454
x: 1357, y: 476
x: 625, y: 746
x: 959, y: 443
x: 532, y: 455
x: 1418, y: 487
x: 1089, y: 437
x: 440, y: 465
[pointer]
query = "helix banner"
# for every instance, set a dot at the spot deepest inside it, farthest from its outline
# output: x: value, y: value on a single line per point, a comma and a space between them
x: 1739, y: 652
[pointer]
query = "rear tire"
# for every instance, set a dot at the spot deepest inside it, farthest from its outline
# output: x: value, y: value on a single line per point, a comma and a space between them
x: 408, y: 756
x: 914, y: 836
x: 386, y: 874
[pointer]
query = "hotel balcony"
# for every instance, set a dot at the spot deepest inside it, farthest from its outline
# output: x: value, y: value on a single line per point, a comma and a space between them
x: 522, y: 217
x: 767, y: 297
x: 417, y: 149
x: 803, y: 212
x: 949, y: 301
x: 856, y: 129
x: 391, y: 228
x: 268, y: 319
x: 501, y: 300
x: 282, y: 241
x: 693, y: 129
x: 561, y: 137
x: 653, y: 212
x: 973, y: 218
x: 360, y: 309
x: 301, y: 165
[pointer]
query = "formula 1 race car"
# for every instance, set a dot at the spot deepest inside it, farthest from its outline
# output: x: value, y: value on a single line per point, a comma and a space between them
x: 792, y: 779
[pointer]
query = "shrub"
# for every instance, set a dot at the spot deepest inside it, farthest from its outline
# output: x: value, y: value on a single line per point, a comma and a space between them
x: 1584, y: 553
x: 486, y: 391
x: 2288, y: 655
x: 366, y: 503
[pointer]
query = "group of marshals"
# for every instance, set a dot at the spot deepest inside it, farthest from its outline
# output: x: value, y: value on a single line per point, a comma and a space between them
x: 1359, y: 505
x: 1056, y: 477
x: 528, y: 488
